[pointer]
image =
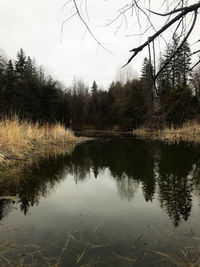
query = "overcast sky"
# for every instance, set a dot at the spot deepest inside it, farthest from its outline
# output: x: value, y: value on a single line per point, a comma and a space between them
x: 35, y: 25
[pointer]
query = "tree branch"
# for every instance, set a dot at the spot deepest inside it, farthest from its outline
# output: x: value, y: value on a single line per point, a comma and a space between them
x: 180, y: 46
x: 88, y: 28
x: 185, y: 11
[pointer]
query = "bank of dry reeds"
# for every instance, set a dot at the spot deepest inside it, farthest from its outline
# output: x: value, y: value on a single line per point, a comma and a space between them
x: 189, y: 132
x: 21, y: 139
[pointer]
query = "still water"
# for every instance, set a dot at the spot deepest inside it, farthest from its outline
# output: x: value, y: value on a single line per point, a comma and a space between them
x: 110, y: 202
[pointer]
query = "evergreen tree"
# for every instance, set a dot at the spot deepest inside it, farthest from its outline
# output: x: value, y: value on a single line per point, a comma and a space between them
x: 29, y: 68
x: 2, y: 73
x: 93, y: 106
x: 173, y: 80
x: 94, y: 87
x: 10, y: 84
x: 21, y: 63
x: 148, y: 85
x: 147, y: 72
x: 175, y: 72
x: 184, y: 64
x: 2, y: 84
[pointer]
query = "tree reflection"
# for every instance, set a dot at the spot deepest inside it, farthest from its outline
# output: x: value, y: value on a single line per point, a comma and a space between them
x: 127, y: 188
x: 174, y: 180
x: 171, y: 171
x: 5, y: 205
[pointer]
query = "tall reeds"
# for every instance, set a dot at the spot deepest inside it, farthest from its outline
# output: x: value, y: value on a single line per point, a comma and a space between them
x: 189, y: 132
x: 17, y: 137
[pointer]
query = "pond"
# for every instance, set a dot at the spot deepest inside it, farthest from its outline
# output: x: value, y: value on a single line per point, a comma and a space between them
x: 114, y: 201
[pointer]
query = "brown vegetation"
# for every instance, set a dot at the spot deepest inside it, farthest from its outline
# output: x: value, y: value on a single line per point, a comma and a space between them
x: 189, y: 132
x: 23, y: 140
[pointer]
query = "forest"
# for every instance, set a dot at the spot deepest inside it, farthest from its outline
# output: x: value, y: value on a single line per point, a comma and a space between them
x: 172, y: 99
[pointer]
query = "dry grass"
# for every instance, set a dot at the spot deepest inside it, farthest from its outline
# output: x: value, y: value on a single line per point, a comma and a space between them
x: 19, y: 139
x: 189, y: 132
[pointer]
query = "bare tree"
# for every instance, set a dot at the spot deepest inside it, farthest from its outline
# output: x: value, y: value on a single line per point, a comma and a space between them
x: 126, y: 74
x: 177, y: 17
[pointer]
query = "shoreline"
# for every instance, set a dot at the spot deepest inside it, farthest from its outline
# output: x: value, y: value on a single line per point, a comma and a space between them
x: 58, y: 140
x: 37, y: 151
x: 189, y: 132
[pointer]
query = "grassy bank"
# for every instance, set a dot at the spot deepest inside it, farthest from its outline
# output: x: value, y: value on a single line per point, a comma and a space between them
x: 189, y: 132
x: 24, y: 141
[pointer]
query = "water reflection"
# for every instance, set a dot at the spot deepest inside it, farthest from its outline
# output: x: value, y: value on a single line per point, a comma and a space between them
x: 170, y: 173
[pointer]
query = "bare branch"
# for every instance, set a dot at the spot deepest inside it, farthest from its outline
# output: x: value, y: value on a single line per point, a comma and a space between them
x: 180, y: 46
x: 88, y: 28
x: 63, y: 24
x: 175, y: 18
x: 118, y: 16
x: 195, y: 52
x: 66, y: 4
x: 148, y: 19
x: 195, y: 65
x: 139, y: 34
x: 185, y: 11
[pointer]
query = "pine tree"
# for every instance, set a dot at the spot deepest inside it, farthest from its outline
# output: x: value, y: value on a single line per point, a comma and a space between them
x: 10, y: 83
x: 184, y: 61
x: 94, y: 87
x: 147, y: 73
x: 175, y: 72
x: 29, y: 68
x: 148, y: 85
x: 2, y: 84
x: 20, y: 64
x: 2, y: 73
x: 173, y: 79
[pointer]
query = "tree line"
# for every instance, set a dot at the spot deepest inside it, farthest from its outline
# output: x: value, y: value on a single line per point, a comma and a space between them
x: 173, y: 98
x: 27, y: 91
